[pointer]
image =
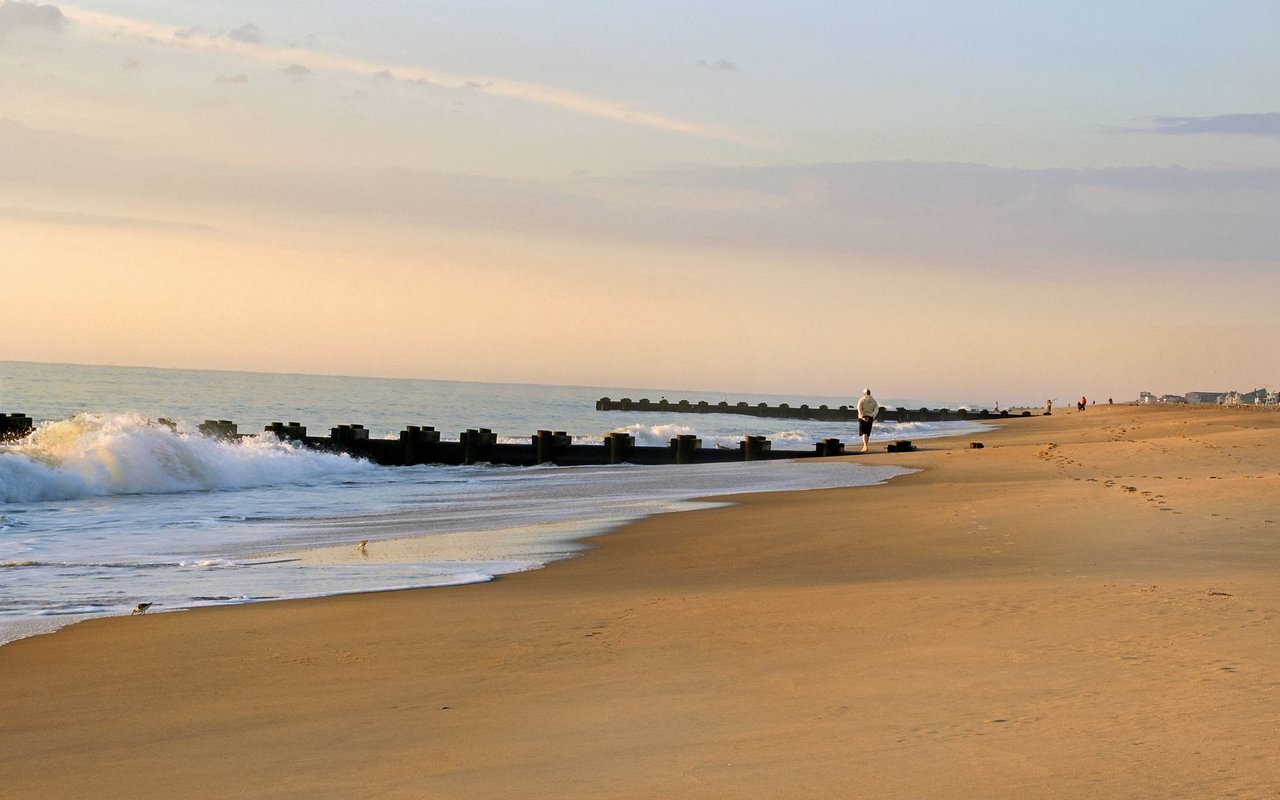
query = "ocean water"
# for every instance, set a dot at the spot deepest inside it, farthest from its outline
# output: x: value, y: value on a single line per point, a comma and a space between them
x: 101, y: 509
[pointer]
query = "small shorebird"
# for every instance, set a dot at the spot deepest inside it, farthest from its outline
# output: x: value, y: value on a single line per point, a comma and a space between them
x: 360, y: 545
x: 141, y: 608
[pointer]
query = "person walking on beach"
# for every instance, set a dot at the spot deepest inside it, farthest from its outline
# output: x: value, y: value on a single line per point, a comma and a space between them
x: 867, y: 410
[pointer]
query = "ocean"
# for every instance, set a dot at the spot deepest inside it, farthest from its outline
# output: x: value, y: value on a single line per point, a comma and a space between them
x: 101, y: 509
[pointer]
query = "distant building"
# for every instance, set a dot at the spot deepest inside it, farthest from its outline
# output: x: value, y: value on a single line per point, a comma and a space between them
x: 1257, y: 397
x: 1206, y: 397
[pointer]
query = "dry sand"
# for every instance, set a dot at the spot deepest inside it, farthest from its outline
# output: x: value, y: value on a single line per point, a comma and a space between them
x: 1086, y: 608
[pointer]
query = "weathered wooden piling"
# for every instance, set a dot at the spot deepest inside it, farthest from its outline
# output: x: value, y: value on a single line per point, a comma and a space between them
x: 15, y: 426
x: 418, y: 444
x: 353, y: 439
x: 619, y: 445
x: 754, y: 447
x: 686, y: 446
x: 218, y: 429
x: 548, y: 444
x: 476, y: 444
x: 830, y: 447
x: 289, y: 432
x: 346, y: 434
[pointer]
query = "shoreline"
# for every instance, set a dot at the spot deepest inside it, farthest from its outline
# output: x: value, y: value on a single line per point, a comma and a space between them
x: 423, y: 547
x: 1066, y: 612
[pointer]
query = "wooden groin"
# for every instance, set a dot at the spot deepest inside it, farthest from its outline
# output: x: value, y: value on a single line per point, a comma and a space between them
x: 821, y: 413
x: 421, y: 444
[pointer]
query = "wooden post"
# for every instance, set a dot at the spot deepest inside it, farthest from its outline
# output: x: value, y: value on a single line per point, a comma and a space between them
x: 419, y: 443
x: 475, y: 443
x: 830, y: 447
x: 347, y: 434
x: 686, y: 447
x: 218, y: 429
x: 290, y: 432
x: 753, y: 447
x: 618, y: 445
x: 15, y: 426
x: 547, y: 443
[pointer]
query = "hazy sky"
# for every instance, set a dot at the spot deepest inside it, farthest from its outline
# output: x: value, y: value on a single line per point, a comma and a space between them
x: 970, y: 201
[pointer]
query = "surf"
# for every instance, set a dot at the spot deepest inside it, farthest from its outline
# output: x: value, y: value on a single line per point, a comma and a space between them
x: 95, y: 455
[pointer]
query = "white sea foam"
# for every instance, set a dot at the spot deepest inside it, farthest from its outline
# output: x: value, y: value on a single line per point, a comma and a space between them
x: 130, y: 548
x: 723, y: 430
x: 92, y: 455
x: 657, y: 435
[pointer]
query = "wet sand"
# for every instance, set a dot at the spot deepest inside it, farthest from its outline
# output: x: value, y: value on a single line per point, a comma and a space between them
x: 1087, y: 607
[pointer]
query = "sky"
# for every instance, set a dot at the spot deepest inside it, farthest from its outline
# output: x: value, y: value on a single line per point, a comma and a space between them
x: 974, y: 202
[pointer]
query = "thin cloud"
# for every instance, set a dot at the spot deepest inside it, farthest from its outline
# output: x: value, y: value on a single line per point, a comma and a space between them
x: 719, y: 65
x: 247, y: 33
x: 1266, y: 124
x: 231, y: 79
x: 968, y: 216
x: 78, y: 219
x: 15, y: 15
x: 314, y: 60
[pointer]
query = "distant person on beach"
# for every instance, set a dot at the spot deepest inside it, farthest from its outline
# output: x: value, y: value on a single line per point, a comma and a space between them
x: 1083, y: 402
x: 867, y: 410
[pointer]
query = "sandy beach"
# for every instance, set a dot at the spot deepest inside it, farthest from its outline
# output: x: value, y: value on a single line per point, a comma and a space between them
x: 1087, y: 607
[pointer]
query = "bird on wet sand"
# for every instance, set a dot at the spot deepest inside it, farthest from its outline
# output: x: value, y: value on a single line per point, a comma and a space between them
x: 141, y: 608
x: 360, y: 545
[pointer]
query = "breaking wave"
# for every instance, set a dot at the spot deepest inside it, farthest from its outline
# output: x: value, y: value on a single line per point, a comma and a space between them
x: 92, y: 455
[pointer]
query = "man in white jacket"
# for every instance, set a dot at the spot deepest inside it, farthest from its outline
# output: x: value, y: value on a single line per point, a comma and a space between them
x: 867, y: 410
